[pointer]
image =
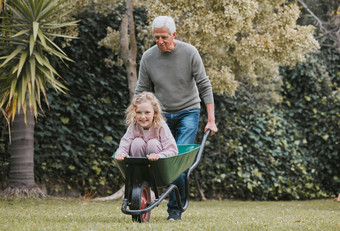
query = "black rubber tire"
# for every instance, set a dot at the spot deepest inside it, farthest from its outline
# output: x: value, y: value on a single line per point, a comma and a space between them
x: 140, y: 199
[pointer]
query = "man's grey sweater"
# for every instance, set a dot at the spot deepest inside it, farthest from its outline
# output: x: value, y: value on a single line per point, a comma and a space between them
x: 176, y: 77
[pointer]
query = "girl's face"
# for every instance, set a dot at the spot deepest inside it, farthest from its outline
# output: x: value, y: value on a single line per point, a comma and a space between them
x: 145, y: 114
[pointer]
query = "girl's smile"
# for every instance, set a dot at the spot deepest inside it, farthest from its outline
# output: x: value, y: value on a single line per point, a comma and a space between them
x: 145, y: 115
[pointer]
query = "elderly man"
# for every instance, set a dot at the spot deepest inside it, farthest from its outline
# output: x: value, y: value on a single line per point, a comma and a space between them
x: 174, y: 71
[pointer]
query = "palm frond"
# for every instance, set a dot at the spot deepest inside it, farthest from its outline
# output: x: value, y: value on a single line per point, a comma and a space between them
x: 27, y: 42
x: 22, y: 62
x: 19, y: 8
x: 50, y: 9
x: 35, y: 29
x: 12, y: 55
x: 21, y: 33
x: 60, y: 25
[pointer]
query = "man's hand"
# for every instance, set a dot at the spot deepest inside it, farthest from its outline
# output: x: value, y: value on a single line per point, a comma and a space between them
x: 120, y: 156
x: 153, y: 156
x: 212, y: 126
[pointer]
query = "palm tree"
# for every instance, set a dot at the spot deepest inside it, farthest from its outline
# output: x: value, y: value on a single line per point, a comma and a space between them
x: 26, y: 48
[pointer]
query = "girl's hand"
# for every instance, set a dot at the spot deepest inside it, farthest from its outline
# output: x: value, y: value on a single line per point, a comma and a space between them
x: 120, y: 156
x: 153, y: 156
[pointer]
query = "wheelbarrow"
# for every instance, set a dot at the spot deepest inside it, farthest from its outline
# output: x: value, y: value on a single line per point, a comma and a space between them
x: 141, y: 175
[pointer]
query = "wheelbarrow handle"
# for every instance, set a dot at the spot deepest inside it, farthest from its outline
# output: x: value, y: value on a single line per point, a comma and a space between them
x: 200, y: 151
x: 193, y: 166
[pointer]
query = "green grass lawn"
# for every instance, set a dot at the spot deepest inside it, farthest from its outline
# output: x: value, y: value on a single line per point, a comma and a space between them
x: 76, y: 214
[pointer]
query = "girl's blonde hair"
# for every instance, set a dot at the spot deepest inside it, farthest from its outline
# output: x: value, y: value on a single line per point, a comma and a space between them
x: 142, y: 98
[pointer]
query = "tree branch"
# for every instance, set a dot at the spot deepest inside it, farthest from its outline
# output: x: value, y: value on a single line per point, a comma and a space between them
x: 124, y: 39
x: 329, y: 29
x: 133, y: 42
x: 319, y: 22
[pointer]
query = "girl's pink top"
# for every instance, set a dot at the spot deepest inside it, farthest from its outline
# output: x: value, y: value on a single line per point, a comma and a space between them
x: 163, y: 134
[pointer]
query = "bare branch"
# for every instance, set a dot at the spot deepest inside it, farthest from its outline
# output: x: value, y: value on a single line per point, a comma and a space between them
x: 318, y: 21
x: 331, y: 29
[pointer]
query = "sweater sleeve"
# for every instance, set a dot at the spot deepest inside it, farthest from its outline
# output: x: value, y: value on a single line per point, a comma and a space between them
x: 144, y: 82
x: 168, y: 142
x: 125, y: 142
x: 202, y: 80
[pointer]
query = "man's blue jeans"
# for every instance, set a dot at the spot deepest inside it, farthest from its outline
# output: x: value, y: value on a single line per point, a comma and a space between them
x: 183, y: 126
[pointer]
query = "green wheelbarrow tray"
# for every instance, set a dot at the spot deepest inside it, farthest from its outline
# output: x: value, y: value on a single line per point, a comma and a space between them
x: 163, y: 171
x: 141, y: 174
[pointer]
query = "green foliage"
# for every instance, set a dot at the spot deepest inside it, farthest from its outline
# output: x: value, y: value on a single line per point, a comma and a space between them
x: 242, y: 42
x: 26, y: 52
x: 287, y: 152
x: 312, y: 99
x: 256, y: 155
x: 78, y: 135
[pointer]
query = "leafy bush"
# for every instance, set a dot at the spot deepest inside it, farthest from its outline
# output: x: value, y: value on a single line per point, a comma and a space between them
x: 312, y: 99
x: 256, y: 156
x: 79, y: 133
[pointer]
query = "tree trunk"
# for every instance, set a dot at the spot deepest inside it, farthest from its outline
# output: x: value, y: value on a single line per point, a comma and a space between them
x: 128, y: 46
x: 116, y: 196
x: 128, y: 52
x: 200, y: 190
x: 21, y: 175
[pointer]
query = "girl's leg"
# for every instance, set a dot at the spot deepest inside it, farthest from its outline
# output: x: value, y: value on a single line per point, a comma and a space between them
x: 138, y: 148
x: 153, y: 146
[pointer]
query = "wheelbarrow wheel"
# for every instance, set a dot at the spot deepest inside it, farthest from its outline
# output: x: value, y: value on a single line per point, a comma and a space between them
x: 140, y: 199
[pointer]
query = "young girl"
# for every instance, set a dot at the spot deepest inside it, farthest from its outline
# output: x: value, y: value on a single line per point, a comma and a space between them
x: 148, y: 134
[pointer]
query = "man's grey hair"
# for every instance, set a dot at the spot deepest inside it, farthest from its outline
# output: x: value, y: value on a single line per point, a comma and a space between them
x: 164, y: 21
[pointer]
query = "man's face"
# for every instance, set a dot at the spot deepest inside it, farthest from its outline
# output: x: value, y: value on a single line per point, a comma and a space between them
x: 164, y: 40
